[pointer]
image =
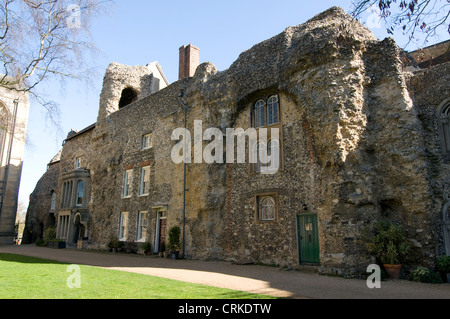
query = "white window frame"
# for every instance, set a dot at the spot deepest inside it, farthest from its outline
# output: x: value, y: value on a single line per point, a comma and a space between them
x: 147, y: 141
x: 77, y: 163
x: 142, y: 226
x: 263, y: 207
x: 78, y: 193
x: 260, y: 114
x: 272, y: 110
x: 127, y: 184
x: 144, y: 178
x: 258, y: 165
x: 123, y: 226
x: 53, y: 202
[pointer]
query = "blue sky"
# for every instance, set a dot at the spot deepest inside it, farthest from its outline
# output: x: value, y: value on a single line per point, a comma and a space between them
x: 137, y: 32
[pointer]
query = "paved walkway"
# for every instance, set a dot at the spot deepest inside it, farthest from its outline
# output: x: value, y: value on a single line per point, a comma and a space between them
x: 251, y: 278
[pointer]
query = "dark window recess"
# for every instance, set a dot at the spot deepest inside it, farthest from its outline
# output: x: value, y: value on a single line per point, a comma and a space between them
x: 129, y: 95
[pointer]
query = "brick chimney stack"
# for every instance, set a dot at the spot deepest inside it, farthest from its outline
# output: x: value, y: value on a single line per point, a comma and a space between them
x: 189, y: 61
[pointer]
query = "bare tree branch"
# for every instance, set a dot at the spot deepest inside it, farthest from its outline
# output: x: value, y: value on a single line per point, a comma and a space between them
x: 414, y: 18
x: 44, y: 39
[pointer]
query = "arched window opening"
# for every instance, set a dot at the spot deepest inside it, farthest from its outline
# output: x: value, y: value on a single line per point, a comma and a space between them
x: 272, y: 110
x: 267, y: 209
x: 260, y: 118
x: 53, y: 203
x: 266, y: 112
x: 129, y: 95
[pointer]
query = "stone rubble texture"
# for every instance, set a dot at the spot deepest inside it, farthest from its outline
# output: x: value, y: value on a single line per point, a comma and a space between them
x: 359, y: 142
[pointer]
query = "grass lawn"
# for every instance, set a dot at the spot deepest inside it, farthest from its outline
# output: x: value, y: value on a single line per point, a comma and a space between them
x: 24, y: 277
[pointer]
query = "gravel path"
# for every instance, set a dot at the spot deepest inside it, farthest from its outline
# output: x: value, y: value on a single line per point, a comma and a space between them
x: 252, y: 278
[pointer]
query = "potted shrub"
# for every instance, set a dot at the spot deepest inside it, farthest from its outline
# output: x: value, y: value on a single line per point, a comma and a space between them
x: 443, y: 267
x: 49, y: 235
x: 390, y: 246
x: 51, y: 241
x: 174, y: 244
x: 114, y: 244
x: 147, y: 248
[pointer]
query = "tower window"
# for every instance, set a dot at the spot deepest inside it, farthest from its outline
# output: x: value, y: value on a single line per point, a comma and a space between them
x: 129, y: 95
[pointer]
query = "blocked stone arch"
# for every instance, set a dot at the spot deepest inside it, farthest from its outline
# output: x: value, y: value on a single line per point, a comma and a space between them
x: 250, y: 99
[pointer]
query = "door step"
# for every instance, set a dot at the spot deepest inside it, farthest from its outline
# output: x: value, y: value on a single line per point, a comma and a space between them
x: 309, y: 268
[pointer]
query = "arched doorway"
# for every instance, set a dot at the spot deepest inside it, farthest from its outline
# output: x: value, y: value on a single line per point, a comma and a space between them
x: 79, y: 230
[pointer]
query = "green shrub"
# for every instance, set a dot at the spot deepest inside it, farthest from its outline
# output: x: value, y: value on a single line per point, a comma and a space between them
x: 49, y: 235
x: 147, y: 246
x: 114, y: 242
x: 40, y: 243
x: 174, y: 239
x: 389, y: 244
x: 426, y: 275
x: 443, y: 264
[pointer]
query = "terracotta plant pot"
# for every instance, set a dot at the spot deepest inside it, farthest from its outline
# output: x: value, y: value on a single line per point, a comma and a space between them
x: 393, y: 271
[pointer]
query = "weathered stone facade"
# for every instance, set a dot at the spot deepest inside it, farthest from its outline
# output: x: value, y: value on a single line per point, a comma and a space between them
x: 42, y: 206
x: 14, y: 107
x: 358, y: 141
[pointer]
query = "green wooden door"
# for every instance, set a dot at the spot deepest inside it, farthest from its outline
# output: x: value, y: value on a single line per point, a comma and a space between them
x: 308, y: 238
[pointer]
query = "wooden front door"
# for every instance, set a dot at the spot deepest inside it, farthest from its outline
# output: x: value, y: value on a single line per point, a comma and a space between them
x: 308, y: 238
x: 162, y: 233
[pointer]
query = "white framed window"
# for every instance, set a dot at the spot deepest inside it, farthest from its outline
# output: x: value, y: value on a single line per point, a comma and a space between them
x: 272, y: 110
x: 142, y: 226
x: 260, y: 118
x: 80, y: 194
x: 77, y: 163
x: 53, y: 203
x: 147, y: 141
x: 266, y: 111
x: 123, y: 226
x: 128, y: 183
x: 272, y: 150
x: 267, y: 209
x: 258, y: 148
x: 144, y: 185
